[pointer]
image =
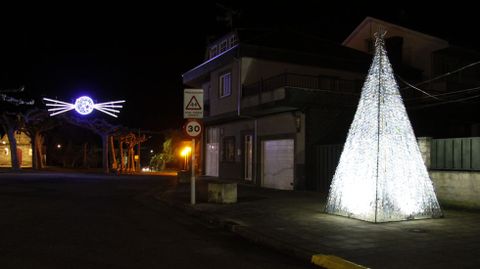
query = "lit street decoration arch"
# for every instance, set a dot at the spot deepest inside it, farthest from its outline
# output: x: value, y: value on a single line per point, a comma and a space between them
x: 84, y: 105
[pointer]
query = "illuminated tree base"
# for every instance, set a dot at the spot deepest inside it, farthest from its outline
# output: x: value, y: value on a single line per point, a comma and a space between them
x: 381, y: 176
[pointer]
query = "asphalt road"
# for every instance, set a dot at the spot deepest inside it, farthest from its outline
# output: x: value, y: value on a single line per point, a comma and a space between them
x: 55, y: 220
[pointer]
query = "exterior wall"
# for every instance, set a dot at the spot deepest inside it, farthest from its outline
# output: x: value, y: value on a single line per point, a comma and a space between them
x: 424, y: 144
x: 417, y: 47
x: 283, y: 125
x: 235, y: 129
x: 453, y: 188
x: 24, y: 147
x: 228, y: 103
x: 460, y: 189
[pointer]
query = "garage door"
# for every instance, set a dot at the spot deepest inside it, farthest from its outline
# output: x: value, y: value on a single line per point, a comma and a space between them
x: 277, y: 168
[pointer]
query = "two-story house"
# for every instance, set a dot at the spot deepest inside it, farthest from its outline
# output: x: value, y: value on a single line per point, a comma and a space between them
x: 270, y: 96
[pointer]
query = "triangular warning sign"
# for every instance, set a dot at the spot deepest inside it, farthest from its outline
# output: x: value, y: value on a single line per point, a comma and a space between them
x: 193, y: 104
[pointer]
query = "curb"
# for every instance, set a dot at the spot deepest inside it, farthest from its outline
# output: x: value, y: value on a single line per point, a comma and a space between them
x: 321, y: 260
x: 331, y: 261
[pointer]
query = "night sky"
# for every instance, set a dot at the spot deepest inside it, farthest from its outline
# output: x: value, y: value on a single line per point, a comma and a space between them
x: 138, y: 53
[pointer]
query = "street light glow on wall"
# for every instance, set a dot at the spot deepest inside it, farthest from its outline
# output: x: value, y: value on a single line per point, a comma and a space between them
x: 381, y: 175
x: 84, y: 105
x: 184, y: 153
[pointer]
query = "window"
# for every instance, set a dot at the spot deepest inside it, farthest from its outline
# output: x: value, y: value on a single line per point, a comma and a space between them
x: 229, y: 149
x: 213, y: 51
x: 233, y: 40
x: 225, y: 84
x: 223, y: 46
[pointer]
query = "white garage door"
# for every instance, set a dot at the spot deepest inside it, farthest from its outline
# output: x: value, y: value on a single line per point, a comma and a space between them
x: 277, y: 168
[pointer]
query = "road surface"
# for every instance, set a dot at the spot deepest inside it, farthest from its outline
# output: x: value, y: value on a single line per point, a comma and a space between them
x: 60, y: 220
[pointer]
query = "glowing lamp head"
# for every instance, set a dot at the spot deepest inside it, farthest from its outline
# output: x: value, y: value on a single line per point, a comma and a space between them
x: 84, y: 105
x: 185, y: 151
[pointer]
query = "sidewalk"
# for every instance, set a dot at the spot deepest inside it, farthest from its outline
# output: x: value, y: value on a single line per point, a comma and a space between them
x: 293, y: 222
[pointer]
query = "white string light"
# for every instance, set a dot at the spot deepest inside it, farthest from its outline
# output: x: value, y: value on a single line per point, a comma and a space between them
x: 381, y: 175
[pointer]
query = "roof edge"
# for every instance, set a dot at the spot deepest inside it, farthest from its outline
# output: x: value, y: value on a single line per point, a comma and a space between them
x: 369, y: 19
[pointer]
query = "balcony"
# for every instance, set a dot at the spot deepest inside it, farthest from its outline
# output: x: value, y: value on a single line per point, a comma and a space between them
x: 290, y: 90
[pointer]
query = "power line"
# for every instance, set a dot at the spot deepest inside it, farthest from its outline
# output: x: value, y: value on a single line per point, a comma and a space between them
x: 444, y: 75
x: 412, y: 86
x: 449, y: 93
x: 447, y: 102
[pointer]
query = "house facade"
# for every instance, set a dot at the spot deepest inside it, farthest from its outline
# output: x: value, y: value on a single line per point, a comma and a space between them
x: 278, y: 105
x: 269, y: 98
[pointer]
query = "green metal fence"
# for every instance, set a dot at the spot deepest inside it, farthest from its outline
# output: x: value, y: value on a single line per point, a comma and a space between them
x: 455, y: 153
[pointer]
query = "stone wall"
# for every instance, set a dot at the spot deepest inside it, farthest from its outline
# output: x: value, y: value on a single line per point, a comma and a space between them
x: 453, y: 188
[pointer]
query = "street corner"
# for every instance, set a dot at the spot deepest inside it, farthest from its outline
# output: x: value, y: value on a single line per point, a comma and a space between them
x: 334, y: 262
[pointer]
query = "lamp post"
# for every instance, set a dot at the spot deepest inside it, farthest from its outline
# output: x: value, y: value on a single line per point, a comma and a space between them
x: 185, y: 153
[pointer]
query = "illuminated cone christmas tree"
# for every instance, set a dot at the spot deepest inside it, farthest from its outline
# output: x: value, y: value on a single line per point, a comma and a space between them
x: 381, y: 175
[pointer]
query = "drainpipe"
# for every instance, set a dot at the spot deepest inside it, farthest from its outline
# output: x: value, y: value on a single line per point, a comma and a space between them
x: 255, y: 121
x: 239, y: 85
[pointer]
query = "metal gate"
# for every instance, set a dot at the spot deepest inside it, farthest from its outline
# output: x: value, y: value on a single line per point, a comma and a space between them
x: 326, y: 161
x: 456, y: 154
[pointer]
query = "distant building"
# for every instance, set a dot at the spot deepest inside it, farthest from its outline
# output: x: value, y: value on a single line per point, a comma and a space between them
x: 24, y: 151
x: 278, y: 104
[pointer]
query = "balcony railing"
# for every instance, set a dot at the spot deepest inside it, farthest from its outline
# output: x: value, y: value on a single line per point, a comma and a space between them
x: 302, y: 81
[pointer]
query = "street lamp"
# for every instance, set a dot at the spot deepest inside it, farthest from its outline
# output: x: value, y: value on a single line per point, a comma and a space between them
x: 184, y: 153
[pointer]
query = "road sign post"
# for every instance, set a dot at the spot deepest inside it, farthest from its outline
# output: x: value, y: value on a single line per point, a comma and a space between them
x: 192, y: 179
x: 192, y: 110
x: 193, y: 128
x: 193, y: 104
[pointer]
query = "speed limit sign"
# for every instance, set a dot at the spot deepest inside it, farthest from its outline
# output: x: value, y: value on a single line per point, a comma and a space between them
x: 193, y: 128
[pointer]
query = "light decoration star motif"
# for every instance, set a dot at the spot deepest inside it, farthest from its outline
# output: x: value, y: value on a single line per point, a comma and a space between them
x: 84, y: 105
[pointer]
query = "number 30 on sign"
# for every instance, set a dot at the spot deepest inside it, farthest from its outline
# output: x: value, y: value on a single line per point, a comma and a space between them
x: 193, y: 128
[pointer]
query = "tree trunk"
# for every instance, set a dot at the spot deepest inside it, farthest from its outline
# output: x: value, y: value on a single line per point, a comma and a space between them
x: 105, y: 153
x: 137, y: 165
x: 85, y: 164
x: 122, y: 167
x: 39, y: 150
x: 13, y: 149
x: 131, y: 159
x: 114, y: 159
x: 35, y: 159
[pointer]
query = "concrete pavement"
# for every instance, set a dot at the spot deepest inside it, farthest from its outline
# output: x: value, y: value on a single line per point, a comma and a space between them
x: 293, y: 222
